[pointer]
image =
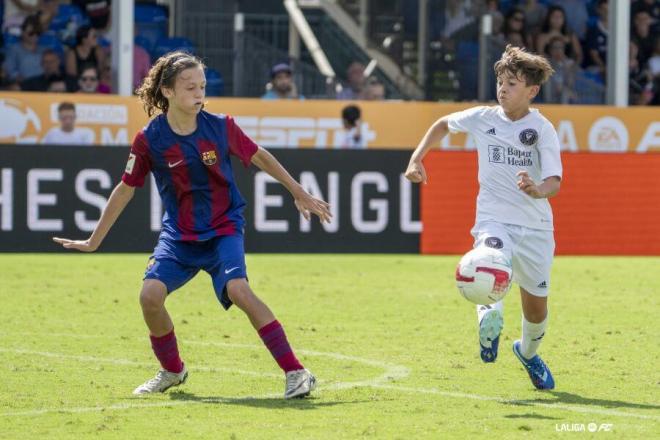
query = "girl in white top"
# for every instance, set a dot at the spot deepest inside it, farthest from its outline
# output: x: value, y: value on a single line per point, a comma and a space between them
x: 519, y: 169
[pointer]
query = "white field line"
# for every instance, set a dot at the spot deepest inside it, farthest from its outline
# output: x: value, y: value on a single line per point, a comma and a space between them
x: 515, y: 402
x: 392, y: 372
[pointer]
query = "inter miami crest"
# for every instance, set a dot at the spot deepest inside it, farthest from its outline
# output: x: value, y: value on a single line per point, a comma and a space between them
x: 209, y: 157
x: 528, y: 137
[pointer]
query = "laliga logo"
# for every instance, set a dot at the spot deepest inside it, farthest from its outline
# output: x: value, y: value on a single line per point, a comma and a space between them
x: 16, y: 117
x: 608, y: 134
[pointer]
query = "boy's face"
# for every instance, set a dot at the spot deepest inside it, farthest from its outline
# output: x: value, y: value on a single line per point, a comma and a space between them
x: 189, y: 91
x: 513, y: 93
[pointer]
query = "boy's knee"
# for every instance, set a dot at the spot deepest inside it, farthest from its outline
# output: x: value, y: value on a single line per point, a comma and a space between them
x: 238, y: 291
x: 152, y: 299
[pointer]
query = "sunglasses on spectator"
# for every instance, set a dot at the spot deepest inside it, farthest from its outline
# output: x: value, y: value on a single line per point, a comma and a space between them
x: 518, y: 18
x: 89, y: 78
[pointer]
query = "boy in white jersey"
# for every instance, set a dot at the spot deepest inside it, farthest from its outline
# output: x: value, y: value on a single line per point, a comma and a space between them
x: 519, y: 169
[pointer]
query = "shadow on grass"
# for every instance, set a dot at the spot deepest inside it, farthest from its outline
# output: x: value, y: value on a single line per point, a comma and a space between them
x: 530, y: 416
x: 564, y: 397
x: 274, y: 402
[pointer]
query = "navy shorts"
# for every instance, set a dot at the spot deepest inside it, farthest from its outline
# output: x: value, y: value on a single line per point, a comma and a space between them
x: 176, y: 262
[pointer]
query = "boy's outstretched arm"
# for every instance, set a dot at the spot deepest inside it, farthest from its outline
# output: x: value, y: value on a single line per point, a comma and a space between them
x: 121, y: 195
x: 305, y: 203
x: 416, y: 172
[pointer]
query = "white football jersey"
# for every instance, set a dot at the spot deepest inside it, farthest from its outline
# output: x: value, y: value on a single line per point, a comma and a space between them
x: 505, y: 147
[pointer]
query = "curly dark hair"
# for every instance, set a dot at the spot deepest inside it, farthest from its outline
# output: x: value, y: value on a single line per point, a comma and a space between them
x: 163, y: 74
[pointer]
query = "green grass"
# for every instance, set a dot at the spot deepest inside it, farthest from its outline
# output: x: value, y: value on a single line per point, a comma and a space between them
x: 390, y: 339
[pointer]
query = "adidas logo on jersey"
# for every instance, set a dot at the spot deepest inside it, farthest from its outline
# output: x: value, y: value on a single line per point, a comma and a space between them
x: 491, y: 131
x: 543, y: 285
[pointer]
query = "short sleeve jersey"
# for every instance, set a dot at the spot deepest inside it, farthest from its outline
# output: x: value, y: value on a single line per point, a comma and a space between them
x: 193, y: 174
x: 504, y: 148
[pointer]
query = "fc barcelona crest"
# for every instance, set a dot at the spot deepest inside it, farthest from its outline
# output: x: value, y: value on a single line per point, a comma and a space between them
x: 209, y: 157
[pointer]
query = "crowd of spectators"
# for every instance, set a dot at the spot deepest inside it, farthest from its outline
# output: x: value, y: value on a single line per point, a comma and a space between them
x: 572, y: 34
x: 40, y: 53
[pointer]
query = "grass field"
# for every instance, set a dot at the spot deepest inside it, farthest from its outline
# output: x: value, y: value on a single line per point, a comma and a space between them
x: 391, y: 341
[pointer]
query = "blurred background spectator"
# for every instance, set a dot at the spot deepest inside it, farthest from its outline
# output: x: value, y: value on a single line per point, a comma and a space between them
x: 16, y: 11
x: 51, y: 65
x: 85, y: 52
x: 23, y: 60
x: 281, y: 85
x: 596, y: 43
x: 67, y: 133
x: 355, y: 81
x: 560, y: 89
x: 351, y: 117
x: 555, y: 26
x: 88, y: 81
x: 374, y: 90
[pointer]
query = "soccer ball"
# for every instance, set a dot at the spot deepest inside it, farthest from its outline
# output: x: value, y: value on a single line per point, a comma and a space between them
x: 483, y: 275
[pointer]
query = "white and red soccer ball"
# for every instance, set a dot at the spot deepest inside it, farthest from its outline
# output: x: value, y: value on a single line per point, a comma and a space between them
x: 483, y: 276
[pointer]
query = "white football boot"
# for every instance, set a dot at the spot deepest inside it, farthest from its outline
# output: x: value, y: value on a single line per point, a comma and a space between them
x: 163, y: 381
x: 299, y: 383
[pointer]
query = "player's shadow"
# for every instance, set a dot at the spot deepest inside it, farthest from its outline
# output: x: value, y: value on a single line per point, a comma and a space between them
x: 256, y: 402
x: 564, y: 397
x: 530, y: 416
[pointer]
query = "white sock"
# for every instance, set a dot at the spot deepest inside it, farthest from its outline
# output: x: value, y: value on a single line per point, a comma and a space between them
x: 481, y: 310
x: 532, y: 333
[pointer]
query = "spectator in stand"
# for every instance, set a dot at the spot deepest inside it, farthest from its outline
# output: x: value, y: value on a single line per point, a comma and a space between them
x: 16, y: 11
x: 640, y: 79
x: 67, y: 133
x: 514, y: 30
x: 52, y: 72
x: 281, y: 85
x: 640, y: 33
x: 555, y: 26
x: 141, y: 65
x: 351, y: 119
x: 650, y: 6
x: 458, y: 15
x: 578, y: 16
x: 654, y: 69
x: 374, y: 90
x: 535, y: 14
x: 596, y: 43
x: 23, y: 60
x: 57, y: 86
x: 88, y: 81
x: 85, y: 52
x: 492, y: 8
x: 46, y: 11
x: 105, y: 79
x: 560, y: 88
x: 5, y: 82
x: 355, y: 81
x: 98, y: 12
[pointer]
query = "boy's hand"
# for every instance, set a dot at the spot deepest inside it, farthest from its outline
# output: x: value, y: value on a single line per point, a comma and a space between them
x: 308, y: 205
x: 527, y: 185
x: 416, y: 172
x: 81, y: 245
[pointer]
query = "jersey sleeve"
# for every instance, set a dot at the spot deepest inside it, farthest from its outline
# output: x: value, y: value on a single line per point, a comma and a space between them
x: 138, y: 164
x: 549, y: 152
x: 464, y: 121
x: 240, y: 144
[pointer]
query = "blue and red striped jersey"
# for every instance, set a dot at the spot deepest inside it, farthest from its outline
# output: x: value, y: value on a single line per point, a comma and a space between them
x: 193, y: 174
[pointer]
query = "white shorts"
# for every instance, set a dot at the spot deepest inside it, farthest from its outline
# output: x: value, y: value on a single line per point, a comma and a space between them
x: 531, y: 252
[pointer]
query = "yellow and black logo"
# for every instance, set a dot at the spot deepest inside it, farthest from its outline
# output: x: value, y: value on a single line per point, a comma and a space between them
x: 209, y: 157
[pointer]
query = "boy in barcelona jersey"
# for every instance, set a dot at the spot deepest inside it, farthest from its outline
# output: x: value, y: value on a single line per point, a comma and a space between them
x: 188, y: 152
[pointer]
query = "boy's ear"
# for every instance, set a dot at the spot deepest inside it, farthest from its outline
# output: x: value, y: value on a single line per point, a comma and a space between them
x: 533, y: 91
